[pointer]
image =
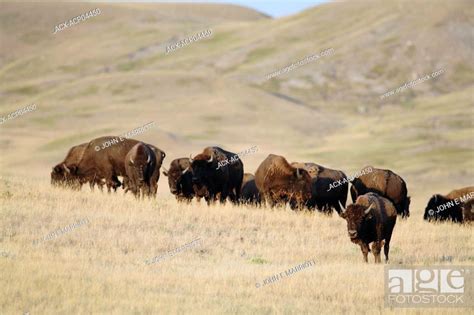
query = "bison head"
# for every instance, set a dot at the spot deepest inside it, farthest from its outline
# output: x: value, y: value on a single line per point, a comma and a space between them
x: 59, y: 174
x: 178, y: 179
x: 431, y: 211
x: 355, y: 215
x: 203, y: 168
x: 300, y: 187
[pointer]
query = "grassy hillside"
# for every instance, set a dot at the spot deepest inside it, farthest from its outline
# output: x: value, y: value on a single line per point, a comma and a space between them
x: 110, y: 74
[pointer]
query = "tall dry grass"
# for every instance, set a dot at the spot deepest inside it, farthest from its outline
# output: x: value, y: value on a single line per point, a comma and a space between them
x: 100, y: 267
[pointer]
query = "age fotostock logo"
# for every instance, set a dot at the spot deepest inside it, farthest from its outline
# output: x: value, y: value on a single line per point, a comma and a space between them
x: 429, y: 286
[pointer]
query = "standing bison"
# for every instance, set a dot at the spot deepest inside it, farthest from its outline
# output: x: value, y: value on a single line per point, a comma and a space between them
x: 371, y: 219
x: 180, y: 178
x: 249, y: 193
x: 212, y: 176
x: 451, y: 206
x: 324, y: 196
x: 140, y: 164
x: 385, y: 183
x: 279, y: 182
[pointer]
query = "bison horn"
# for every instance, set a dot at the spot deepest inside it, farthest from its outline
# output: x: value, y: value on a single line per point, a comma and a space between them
x: 368, y: 209
x: 131, y: 161
x: 210, y: 160
x: 298, y: 173
x: 148, y: 159
x: 190, y: 158
x: 66, y: 168
x: 184, y: 172
x: 342, y: 207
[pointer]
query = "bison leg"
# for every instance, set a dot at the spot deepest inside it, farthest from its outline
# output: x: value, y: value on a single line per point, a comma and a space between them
x: 386, y: 249
x: 365, y: 250
x: 376, y: 248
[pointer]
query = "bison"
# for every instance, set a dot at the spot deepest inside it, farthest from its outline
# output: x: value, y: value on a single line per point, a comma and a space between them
x: 278, y: 182
x: 451, y: 206
x: 213, y: 175
x: 180, y: 178
x: 249, y: 193
x: 328, y: 187
x: 385, y: 183
x: 140, y: 164
x: 371, y: 219
x: 104, y: 162
x: 61, y: 173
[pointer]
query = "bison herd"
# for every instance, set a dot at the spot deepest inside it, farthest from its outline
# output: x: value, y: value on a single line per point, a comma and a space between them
x: 378, y: 195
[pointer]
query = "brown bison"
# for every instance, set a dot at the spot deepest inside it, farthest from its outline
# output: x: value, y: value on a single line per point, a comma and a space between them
x: 328, y: 187
x: 371, y: 219
x: 180, y: 178
x: 214, y: 175
x: 278, y: 182
x: 140, y: 164
x: 61, y: 173
x: 249, y: 193
x: 451, y: 206
x: 385, y: 183
x: 104, y: 158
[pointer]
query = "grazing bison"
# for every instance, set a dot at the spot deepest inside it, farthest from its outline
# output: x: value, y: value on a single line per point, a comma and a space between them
x: 212, y: 176
x: 385, y: 183
x: 371, y: 219
x: 279, y: 182
x: 451, y: 206
x: 328, y: 187
x: 140, y: 164
x: 180, y: 177
x: 61, y: 173
x: 249, y: 193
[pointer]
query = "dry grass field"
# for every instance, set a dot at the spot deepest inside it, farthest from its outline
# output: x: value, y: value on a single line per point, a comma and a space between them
x: 110, y: 74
